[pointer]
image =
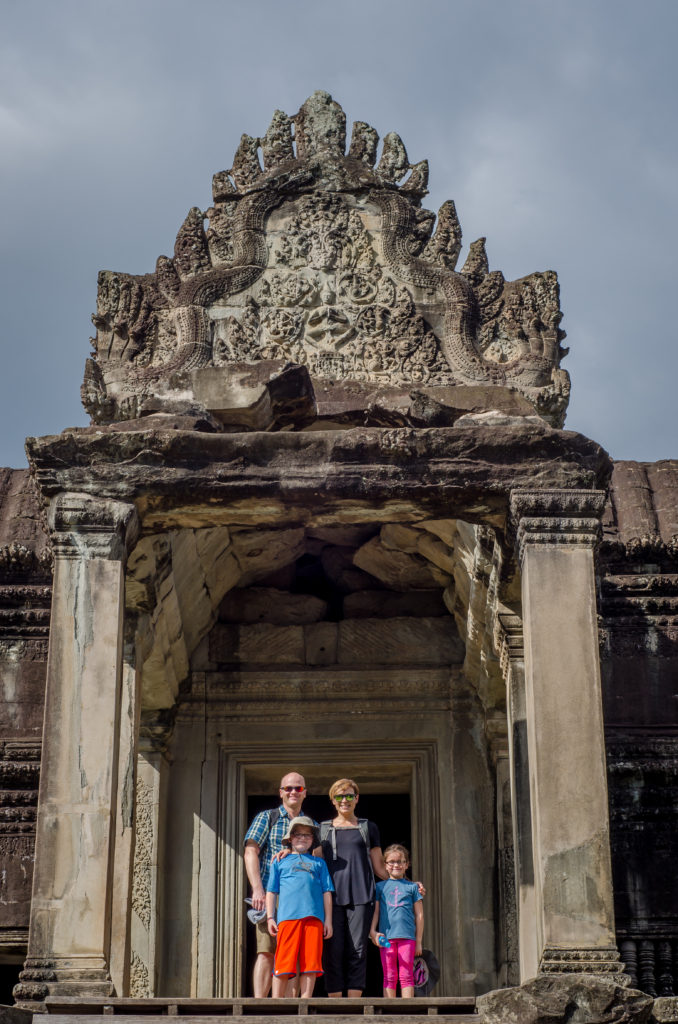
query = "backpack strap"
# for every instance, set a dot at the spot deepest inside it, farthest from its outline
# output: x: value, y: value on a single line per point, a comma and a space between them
x: 327, y: 829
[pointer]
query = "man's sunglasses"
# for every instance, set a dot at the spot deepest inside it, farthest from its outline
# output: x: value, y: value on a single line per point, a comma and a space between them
x: 292, y: 789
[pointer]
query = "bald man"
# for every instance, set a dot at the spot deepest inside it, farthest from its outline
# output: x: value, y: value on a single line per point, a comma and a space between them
x: 263, y: 840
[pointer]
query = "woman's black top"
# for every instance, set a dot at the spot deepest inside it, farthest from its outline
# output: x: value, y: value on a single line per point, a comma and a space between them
x: 352, y: 870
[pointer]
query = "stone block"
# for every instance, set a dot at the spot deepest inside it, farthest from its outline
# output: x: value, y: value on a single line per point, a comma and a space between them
x: 399, y: 537
x: 563, y: 999
x: 385, y: 604
x: 259, y: 644
x: 436, y: 552
x: 268, y: 604
x: 337, y: 563
x: 398, y: 570
x: 262, y: 552
x: 399, y: 641
x: 445, y: 529
x: 255, y: 396
x: 321, y: 643
x: 665, y: 1010
x: 189, y: 580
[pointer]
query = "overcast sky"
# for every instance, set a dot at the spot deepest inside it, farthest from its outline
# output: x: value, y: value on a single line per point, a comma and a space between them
x: 551, y: 124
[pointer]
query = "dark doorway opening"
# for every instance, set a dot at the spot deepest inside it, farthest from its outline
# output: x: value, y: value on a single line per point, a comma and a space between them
x: 391, y: 812
x: 10, y: 968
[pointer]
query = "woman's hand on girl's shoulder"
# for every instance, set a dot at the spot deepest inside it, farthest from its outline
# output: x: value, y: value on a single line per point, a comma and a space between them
x: 422, y: 888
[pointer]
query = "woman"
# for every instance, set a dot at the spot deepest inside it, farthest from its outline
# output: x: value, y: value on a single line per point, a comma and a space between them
x: 351, y: 848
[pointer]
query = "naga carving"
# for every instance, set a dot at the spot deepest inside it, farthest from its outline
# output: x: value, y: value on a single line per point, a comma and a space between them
x: 323, y: 257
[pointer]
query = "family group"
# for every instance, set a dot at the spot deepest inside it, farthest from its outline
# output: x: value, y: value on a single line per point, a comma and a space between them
x: 317, y: 900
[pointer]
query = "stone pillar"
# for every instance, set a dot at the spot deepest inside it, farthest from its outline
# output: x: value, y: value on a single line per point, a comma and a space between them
x: 70, y: 928
x: 556, y: 533
x: 513, y: 667
x: 152, y: 773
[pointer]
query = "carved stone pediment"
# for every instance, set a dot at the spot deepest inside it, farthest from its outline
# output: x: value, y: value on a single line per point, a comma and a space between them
x: 318, y: 257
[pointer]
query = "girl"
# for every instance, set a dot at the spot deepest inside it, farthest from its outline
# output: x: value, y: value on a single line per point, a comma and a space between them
x: 399, y: 913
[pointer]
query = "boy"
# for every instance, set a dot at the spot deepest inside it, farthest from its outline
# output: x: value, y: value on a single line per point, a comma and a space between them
x: 304, y: 889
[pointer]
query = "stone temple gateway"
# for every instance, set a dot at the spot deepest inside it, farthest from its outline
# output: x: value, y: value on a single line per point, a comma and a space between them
x: 327, y: 517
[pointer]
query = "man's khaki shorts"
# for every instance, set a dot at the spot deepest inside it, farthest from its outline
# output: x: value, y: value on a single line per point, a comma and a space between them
x: 265, y: 942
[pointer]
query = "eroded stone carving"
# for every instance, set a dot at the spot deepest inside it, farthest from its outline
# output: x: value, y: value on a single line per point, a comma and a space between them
x: 556, y: 517
x: 143, y: 855
x: 322, y: 259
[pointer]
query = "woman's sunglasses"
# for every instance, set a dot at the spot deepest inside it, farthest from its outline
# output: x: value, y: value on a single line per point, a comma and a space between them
x: 345, y: 796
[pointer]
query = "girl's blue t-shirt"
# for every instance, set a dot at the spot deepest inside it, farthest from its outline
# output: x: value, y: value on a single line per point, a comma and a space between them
x: 300, y: 881
x: 397, y: 897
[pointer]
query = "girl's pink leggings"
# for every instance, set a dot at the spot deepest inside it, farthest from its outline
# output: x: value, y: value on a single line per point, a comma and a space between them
x: 398, y: 961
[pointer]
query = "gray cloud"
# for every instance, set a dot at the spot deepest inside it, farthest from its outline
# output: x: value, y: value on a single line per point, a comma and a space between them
x: 552, y: 127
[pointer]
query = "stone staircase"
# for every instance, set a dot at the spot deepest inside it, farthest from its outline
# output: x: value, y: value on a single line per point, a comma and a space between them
x: 453, y: 1009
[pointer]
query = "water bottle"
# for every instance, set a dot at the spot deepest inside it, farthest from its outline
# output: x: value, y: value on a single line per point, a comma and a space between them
x: 383, y: 942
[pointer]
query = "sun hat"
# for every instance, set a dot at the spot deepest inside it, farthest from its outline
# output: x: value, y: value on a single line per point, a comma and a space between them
x: 302, y: 820
x: 426, y: 973
x: 255, y: 916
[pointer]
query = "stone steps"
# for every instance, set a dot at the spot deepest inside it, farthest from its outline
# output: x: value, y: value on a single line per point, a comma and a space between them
x: 301, y: 1014
x: 454, y: 1009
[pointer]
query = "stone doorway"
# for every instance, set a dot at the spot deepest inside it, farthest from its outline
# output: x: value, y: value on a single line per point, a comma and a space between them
x: 409, y: 787
x: 391, y: 812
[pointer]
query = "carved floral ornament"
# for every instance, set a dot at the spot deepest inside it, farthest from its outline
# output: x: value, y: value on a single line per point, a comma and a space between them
x: 313, y: 254
x: 556, y: 517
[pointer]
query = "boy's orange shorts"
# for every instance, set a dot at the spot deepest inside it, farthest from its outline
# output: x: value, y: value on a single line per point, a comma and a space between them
x: 299, y: 942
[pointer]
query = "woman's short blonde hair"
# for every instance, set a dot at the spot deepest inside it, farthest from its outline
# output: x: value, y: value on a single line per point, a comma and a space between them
x: 341, y: 784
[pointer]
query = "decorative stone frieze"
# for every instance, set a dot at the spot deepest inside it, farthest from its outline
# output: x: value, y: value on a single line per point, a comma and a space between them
x: 556, y: 517
x: 508, y: 640
x: 314, y: 255
x: 555, y: 960
x: 86, y: 527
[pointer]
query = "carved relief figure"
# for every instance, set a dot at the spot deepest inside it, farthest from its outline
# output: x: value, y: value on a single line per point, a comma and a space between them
x: 320, y: 258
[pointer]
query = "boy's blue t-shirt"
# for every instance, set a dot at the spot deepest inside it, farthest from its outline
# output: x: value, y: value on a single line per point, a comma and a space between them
x: 396, y: 907
x: 300, y: 881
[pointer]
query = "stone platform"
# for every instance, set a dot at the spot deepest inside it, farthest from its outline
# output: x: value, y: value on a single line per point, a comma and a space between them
x: 455, y: 1009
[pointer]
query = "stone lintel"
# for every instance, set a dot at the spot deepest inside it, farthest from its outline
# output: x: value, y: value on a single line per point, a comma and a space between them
x: 85, y: 526
x: 464, y: 472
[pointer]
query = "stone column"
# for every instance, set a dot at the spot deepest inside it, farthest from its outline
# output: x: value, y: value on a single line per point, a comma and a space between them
x: 70, y: 927
x: 556, y: 533
x: 513, y: 668
x: 152, y: 776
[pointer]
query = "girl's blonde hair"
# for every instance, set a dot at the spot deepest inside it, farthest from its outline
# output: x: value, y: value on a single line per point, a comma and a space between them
x: 341, y: 784
x: 397, y: 848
